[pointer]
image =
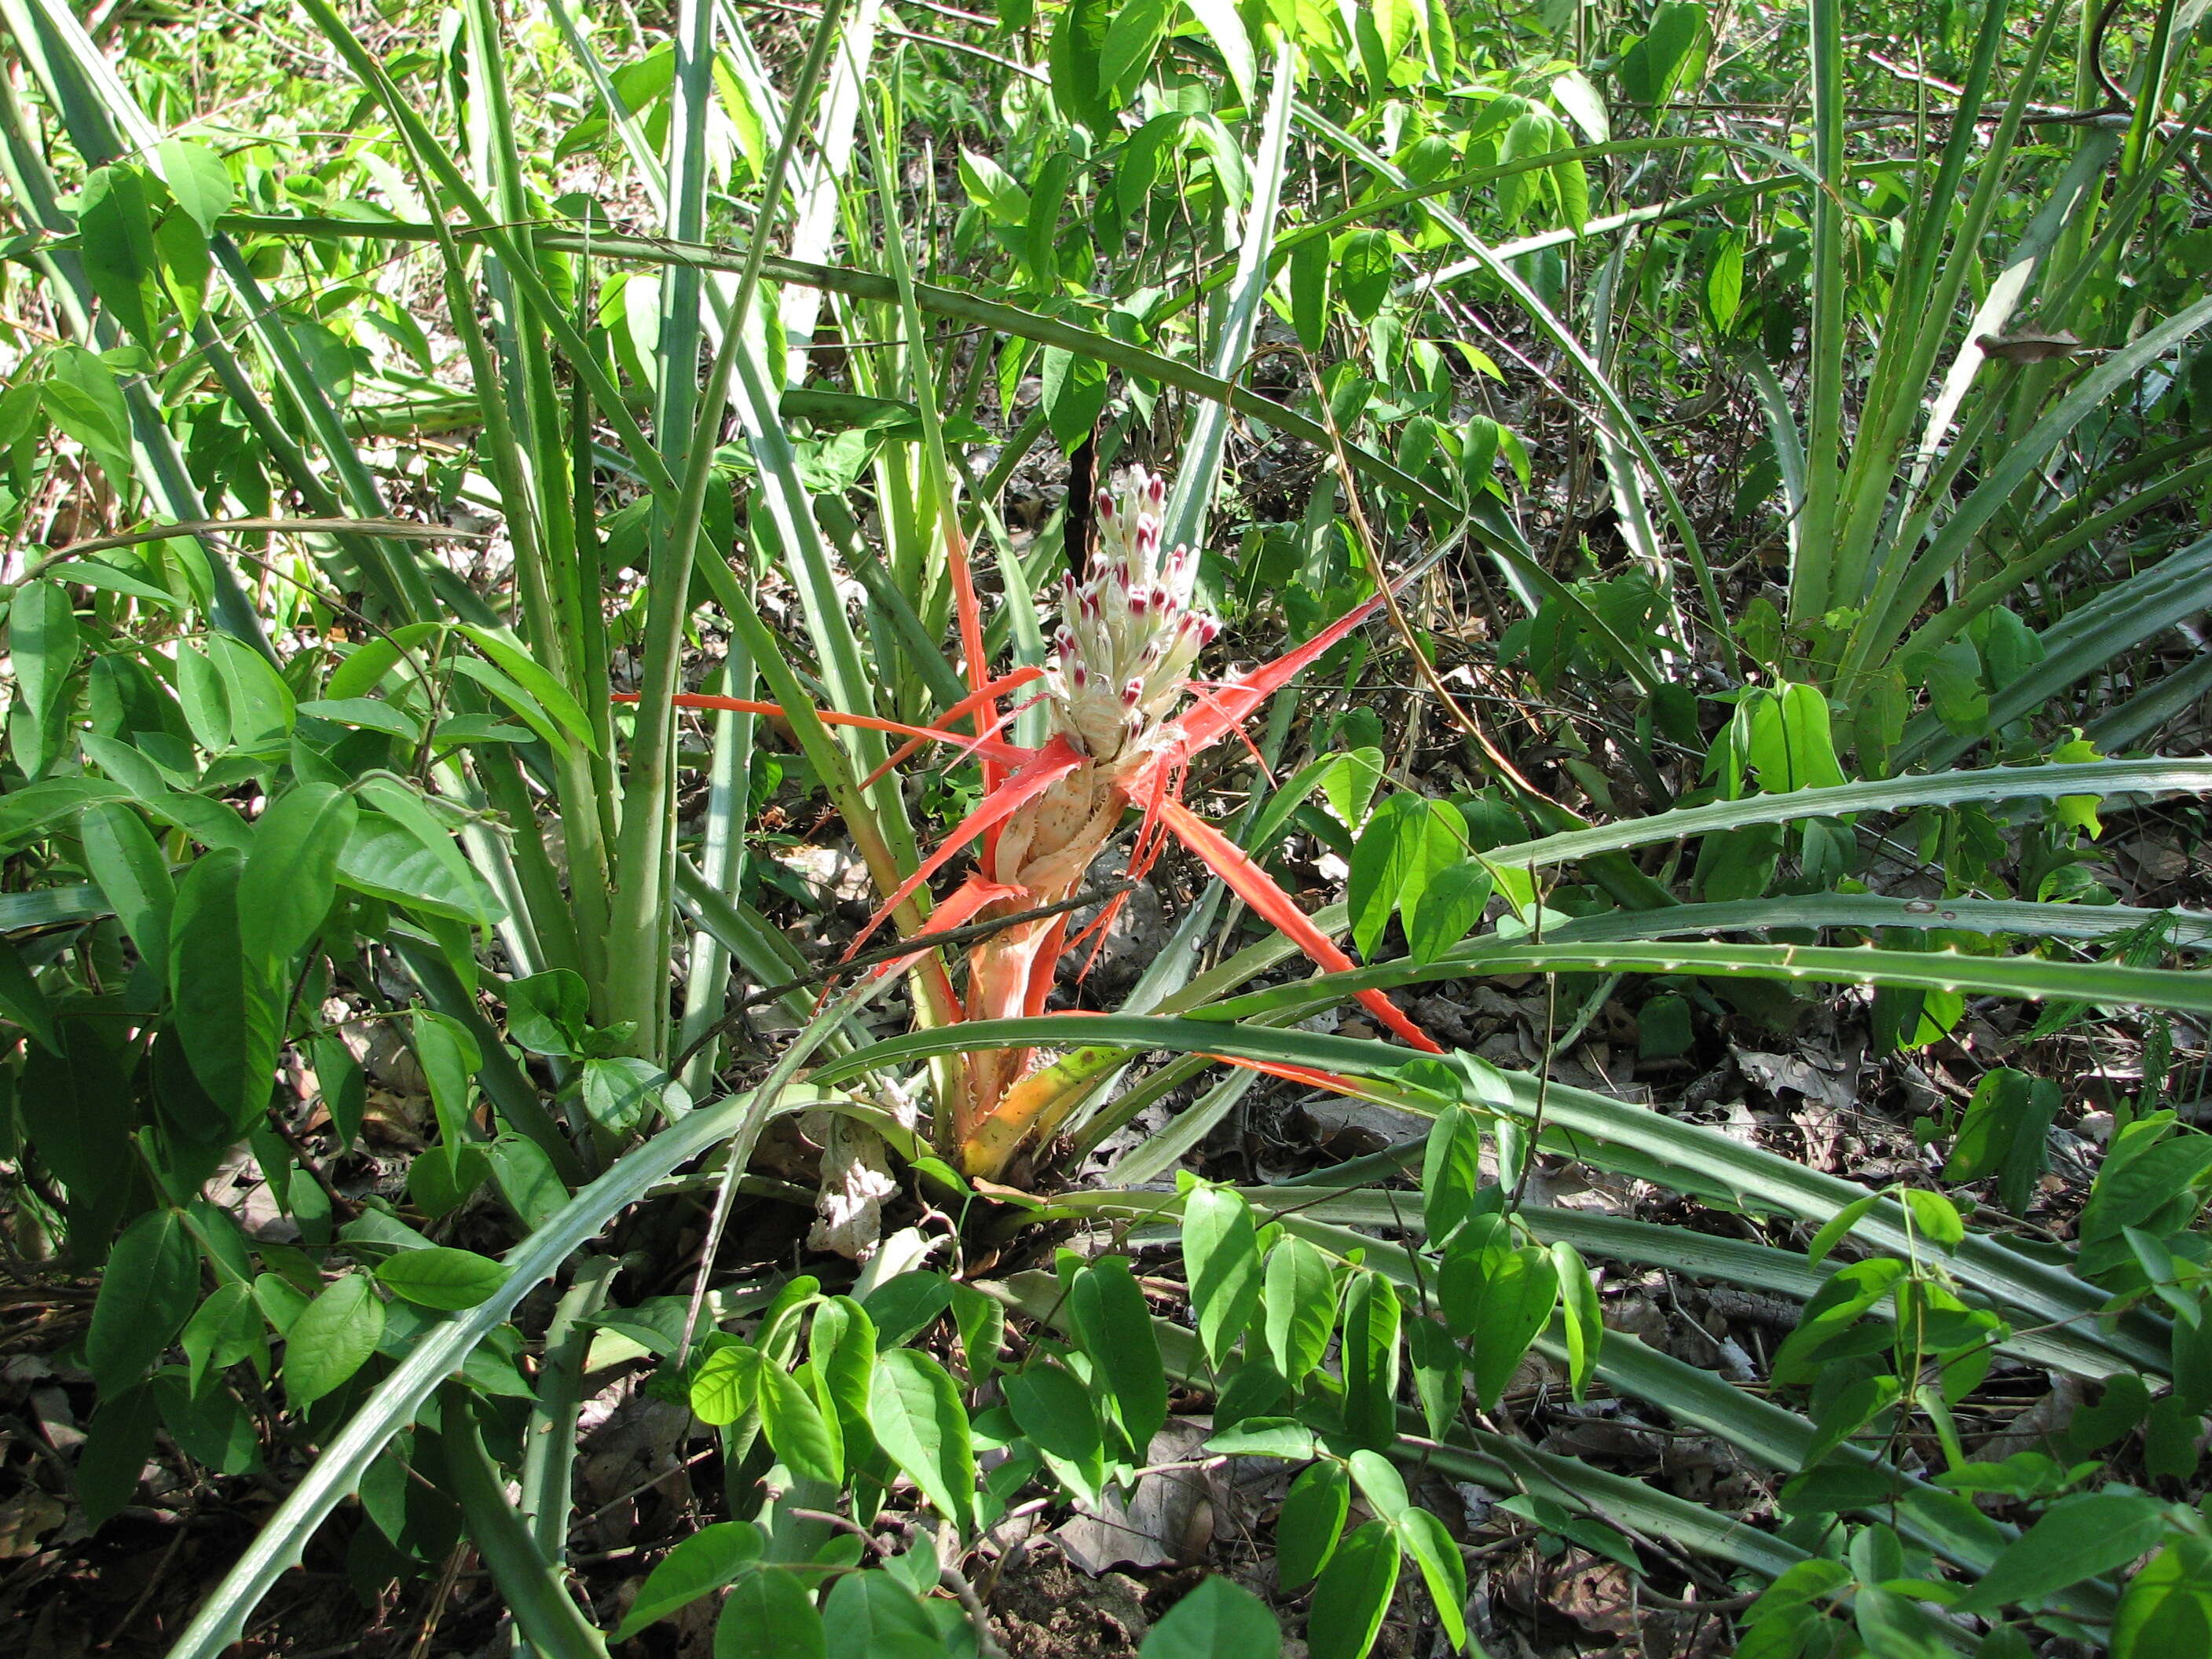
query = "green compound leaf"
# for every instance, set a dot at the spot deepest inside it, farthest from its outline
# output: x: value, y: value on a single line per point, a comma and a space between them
x: 913, y: 1407
x: 145, y: 1297
x: 1353, y: 1594
x: 1221, y: 1254
x: 699, y: 1565
x: 441, y: 1277
x: 331, y: 1339
x: 1216, y: 1620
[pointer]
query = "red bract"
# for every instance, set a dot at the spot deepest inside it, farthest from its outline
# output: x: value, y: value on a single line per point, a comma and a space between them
x: 1119, y: 667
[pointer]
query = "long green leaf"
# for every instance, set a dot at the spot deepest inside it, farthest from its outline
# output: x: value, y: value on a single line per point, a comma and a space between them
x: 396, y: 1401
x: 2164, y: 698
x: 2151, y: 777
x: 1903, y: 585
x: 2183, y: 929
x: 532, y: 1587
x: 1922, y: 298
x: 2087, y: 638
x: 2030, y: 977
x: 1812, y: 539
x: 1706, y: 1159
x: 1197, y: 478
x: 1492, y: 1461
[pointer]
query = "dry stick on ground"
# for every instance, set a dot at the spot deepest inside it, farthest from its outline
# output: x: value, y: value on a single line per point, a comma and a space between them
x: 905, y: 947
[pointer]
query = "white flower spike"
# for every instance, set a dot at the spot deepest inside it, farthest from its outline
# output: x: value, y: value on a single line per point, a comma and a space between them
x: 1129, y: 635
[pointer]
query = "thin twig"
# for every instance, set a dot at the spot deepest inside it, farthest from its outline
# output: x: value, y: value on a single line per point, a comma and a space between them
x: 843, y: 1523
x: 345, y: 1208
x: 643, y: 1488
x: 1551, y: 1025
x: 1724, y: 1604
x: 1507, y: 772
x: 438, y: 1600
x: 146, y: 1595
x: 905, y: 947
x: 951, y: 1578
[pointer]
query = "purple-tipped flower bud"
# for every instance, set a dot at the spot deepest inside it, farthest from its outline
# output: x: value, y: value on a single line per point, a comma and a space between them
x: 1127, y: 636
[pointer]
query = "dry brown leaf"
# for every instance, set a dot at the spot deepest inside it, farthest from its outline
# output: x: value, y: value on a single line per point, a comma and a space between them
x: 25, y: 1519
x: 1169, y: 1517
x: 1593, y: 1592
x: 2030, y: 347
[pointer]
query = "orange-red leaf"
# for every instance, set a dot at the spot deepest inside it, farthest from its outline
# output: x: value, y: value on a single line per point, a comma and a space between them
x: 1040, y: 769
x: 1312, y: 1076
x: 1010, y: 754
x: 1257, y: 888
x: 970, y: 615
x: 958, y: 910
x: 966, y: 707
x: 1219, y: 711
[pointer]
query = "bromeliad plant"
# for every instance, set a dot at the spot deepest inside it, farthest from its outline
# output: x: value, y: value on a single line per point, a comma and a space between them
x: 217, y: 826
x: 1128, y: 637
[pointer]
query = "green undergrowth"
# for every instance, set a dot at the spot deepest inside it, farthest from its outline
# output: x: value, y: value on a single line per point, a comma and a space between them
x: 1779, y: 462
